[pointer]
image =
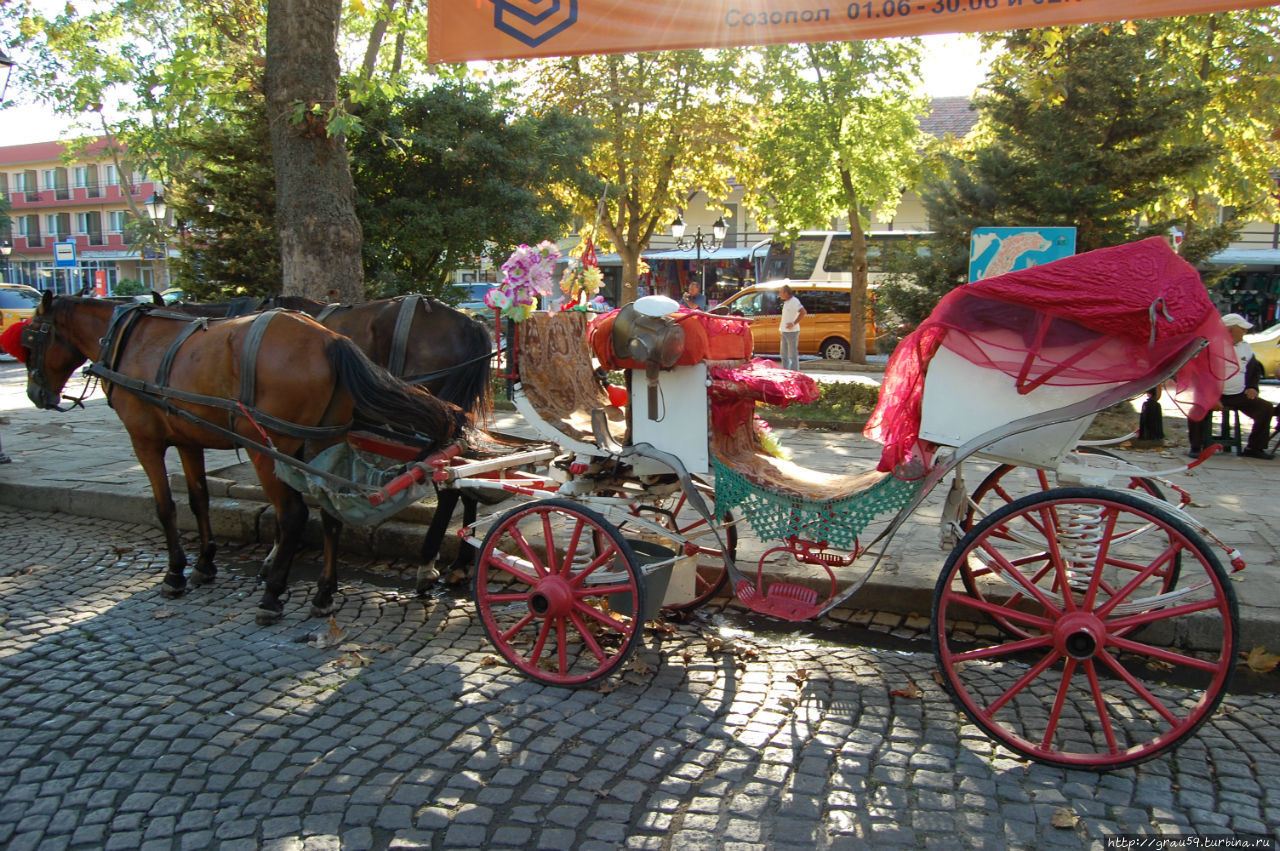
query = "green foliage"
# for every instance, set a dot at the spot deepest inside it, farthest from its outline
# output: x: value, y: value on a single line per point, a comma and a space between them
x: 1087, y: 127
x: 128, y: 286
x: 445, y: 175
x: 836, y: 136
x: 670, y: 124
x: 232, y: 249
x: 838, y: 401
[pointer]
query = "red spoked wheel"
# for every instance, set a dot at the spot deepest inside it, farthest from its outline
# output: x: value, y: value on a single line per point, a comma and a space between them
x: 710, y: 572
x: 1075, y: 687
x: 560, y: 592
x: 1000, y: 488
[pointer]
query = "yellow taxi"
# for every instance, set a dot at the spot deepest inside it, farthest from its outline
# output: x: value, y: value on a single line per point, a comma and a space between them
x: 825, y: 329
x: 1266, y: 348
x: 17, y: 302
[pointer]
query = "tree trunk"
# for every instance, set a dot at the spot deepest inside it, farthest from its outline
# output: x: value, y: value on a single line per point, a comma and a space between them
x: 315, y: 199
x: 630, y: 273
x: 858, y: 287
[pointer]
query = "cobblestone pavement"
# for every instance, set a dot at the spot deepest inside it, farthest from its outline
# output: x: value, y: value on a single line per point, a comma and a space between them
x: 128, y: 721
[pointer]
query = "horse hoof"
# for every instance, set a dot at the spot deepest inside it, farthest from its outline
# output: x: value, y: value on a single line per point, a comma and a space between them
x: 456, y: 577
x: 266, y: 617
x: 171, y: 592
x: 322, y: 611
x: 199, y: 577
x: 427, y: 577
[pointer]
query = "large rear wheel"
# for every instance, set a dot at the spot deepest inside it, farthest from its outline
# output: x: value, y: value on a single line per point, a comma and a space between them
x: 1078, y: 571
x: 560, y: 592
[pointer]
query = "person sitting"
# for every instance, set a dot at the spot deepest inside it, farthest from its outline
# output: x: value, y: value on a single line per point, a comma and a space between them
x: 694, y: 299
x: 1239, y: 392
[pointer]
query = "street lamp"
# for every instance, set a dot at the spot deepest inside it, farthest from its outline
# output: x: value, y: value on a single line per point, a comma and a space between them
x: 700, y: 241
x: 156, y: 209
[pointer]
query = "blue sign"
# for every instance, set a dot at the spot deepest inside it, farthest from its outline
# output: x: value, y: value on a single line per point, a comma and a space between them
x: 994, y: 251
x: 64, y: 255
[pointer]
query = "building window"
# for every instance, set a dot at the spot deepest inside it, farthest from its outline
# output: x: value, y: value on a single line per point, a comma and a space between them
x: 4, y: 186
x: 90, y: 224
x: 58, y: 225
x: 55, y: 181
x: 109, y: 176
x: 29, y: 226
x: 86, y: 178
x: 30, y: 189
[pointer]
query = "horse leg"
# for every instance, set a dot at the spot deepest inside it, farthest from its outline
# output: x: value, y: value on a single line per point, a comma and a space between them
x: 291, y: 520
x: 460, y: 569
x: 151, y: 457
x: 327, y: 585
x: 198, y: 498
x: 446, y: 502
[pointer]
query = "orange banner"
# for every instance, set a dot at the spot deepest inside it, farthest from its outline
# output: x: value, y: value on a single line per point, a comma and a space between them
x: 462, y: 30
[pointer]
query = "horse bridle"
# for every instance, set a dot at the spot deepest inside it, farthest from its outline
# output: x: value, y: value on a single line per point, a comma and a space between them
x: 36, y: 337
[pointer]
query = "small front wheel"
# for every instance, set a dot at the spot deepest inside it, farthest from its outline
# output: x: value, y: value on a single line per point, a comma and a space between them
x: 559, y: 592
x: 1079, y: 571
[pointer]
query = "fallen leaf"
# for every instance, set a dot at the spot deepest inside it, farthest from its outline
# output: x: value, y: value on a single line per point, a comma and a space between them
x: 937, y: 678
x: 1261, y: 661
x: 489, y: 661
x: 798, y: 677
x: 909, y: 692
x: 335, y: 631
x: 1063, y: 818
x: 607, y: 687
x: 160, y: 614
x: 1160, y: 665
x: 639, y: 666
x: 788, y: 702
x: 353, y: 659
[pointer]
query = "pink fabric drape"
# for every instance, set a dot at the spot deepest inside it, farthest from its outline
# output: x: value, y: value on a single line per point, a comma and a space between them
x: 1103, y: 317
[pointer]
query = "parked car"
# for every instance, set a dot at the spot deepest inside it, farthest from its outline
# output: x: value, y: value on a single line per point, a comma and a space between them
x: 1266, y: 348
x: 17, y: 302
x: 470, y: 300
x: 824, y: 330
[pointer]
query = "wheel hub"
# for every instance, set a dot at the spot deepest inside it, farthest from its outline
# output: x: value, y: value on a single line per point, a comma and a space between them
x: 1079, y: 635
x: 552, y: 598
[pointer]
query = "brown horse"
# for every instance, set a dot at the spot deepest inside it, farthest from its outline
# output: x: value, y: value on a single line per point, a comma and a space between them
x: 209, y: 385
x: 421, y: 340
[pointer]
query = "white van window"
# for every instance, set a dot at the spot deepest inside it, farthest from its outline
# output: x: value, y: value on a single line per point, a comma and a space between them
x: 805, y: 255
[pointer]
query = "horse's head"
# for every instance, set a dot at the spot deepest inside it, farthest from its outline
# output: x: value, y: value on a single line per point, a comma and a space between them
x: 51, y: 359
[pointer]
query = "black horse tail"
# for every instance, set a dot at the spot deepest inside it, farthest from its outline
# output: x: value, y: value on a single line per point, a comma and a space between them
x: 382, y: 399
x: 467, y: 385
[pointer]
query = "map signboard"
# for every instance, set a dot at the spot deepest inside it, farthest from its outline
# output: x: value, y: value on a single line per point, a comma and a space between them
x: 994, y: 251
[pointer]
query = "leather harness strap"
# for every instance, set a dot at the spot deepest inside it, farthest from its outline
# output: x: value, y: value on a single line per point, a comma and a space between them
x: 249, y: 356
x: 400, y: 339
x: 166, y: 363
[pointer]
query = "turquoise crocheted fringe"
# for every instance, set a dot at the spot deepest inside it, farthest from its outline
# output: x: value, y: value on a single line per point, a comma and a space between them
x: 776, y: 517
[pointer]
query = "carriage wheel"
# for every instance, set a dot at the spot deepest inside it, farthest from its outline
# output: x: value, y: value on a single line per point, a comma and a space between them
x: 559, y: 592
x: 995, y: 489
x: 710, y: 571
x: 1076, y: 688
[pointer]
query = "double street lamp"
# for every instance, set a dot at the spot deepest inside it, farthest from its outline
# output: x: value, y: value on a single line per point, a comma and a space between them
x: 700, y: 241
x: 6, y: 248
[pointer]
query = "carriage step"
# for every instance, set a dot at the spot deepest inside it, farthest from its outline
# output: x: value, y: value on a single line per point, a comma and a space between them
x: 782, y: 600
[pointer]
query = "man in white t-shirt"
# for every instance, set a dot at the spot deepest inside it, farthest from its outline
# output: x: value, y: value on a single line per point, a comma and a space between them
x: 792, y: 312
x: 1239, y: 392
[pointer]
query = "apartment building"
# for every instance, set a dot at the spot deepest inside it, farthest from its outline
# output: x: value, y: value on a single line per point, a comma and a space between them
x: 69, y: 209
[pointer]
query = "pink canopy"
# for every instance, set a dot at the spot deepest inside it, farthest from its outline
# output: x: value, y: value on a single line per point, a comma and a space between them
x: 1104, y: 317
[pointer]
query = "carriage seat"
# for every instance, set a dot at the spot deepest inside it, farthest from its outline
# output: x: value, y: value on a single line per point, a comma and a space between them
x: 558, y: 378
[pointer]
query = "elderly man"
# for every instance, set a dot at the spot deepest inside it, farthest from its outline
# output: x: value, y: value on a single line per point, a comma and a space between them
x: 1239, y: 392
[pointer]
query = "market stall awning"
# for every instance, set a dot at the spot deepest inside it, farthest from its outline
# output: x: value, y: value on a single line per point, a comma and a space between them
x: 462, y: 30
x: 721, y: 254
x: 1247, y: 257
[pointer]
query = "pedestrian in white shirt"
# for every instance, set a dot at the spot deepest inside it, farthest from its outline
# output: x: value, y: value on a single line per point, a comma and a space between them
x: 792, y: 312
